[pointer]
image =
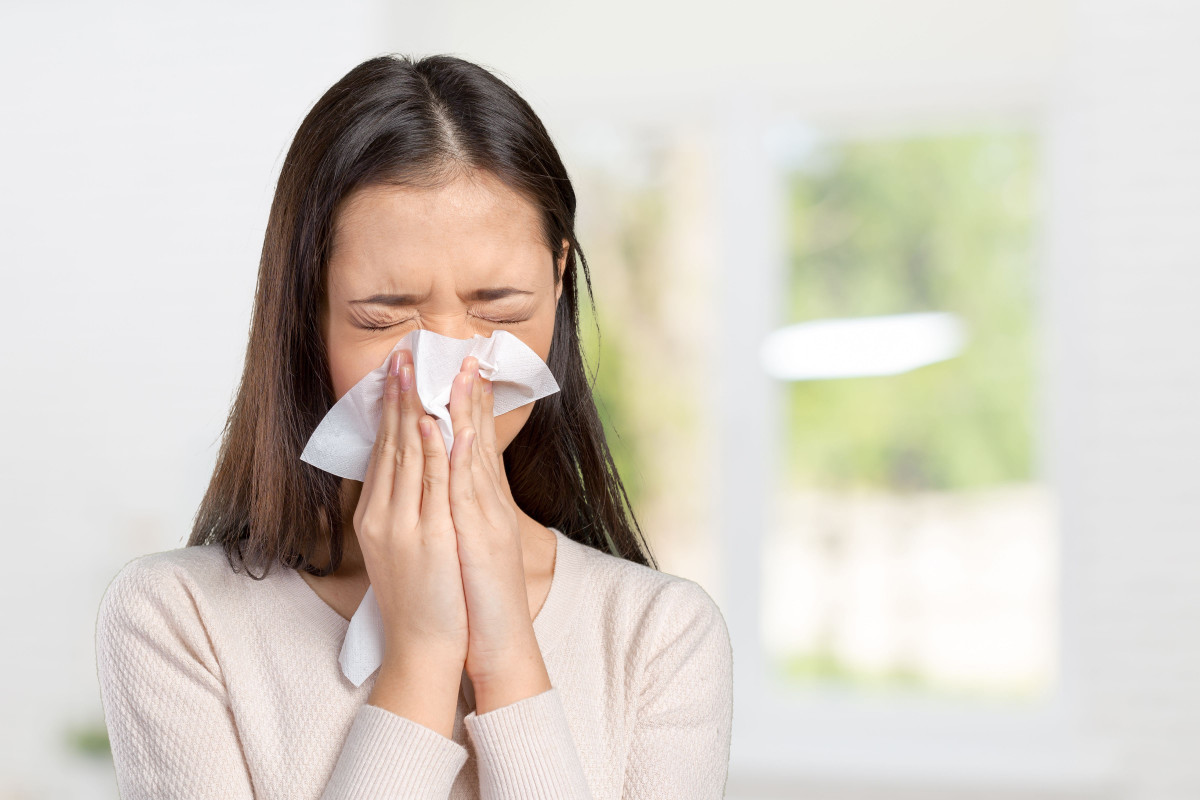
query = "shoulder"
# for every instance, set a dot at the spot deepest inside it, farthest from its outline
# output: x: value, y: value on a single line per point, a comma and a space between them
x: 637, y: 586
x: 653, y: 609
x: 155, y: 573
x: 161, y: 623
x: 171, y: 584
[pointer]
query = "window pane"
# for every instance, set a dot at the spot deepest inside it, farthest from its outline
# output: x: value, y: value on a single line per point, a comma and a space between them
x: 911, y: 543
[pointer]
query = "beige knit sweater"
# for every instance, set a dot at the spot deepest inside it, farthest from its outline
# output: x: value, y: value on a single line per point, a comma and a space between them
x: 216, y: 685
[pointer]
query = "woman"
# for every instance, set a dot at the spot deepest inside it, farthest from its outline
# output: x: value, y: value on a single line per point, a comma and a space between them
x: 416, y: 195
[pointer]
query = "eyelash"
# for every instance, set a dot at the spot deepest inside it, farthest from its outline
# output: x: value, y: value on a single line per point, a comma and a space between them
x: 385, y: 327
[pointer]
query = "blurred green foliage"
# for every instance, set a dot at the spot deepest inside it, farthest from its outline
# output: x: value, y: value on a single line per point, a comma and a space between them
x: 920, y: 224
x: 607, y: 360
x: 627, y: 374
x: 825, y: 667
x: 89, y: 740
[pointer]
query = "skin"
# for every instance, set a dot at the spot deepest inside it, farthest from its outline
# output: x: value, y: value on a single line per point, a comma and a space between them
x: 459, y: 569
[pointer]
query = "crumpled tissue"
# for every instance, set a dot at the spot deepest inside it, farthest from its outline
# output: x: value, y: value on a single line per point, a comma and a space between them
x: 342, y: 441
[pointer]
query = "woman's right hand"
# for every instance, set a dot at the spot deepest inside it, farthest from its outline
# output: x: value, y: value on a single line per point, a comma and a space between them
x: 406, y: 533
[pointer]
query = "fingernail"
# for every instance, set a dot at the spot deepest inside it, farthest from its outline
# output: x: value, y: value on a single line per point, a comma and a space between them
x: 424, y: 425
x: 406, y: 377
x: 394, y: 367
x: 487, y: 387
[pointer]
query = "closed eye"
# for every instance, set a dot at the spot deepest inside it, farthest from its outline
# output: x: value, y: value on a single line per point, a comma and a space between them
x: 486, y: 319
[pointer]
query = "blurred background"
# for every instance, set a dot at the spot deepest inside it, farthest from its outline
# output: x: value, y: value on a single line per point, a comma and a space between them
x: 898, y: 354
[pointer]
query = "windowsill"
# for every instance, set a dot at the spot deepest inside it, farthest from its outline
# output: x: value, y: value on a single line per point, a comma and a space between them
x: 853, y: 746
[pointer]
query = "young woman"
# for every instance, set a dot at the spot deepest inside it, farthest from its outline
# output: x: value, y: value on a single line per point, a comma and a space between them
x: 532, y: 647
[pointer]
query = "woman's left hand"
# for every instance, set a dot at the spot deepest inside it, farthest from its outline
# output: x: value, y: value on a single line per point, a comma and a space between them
x: 502, y: 651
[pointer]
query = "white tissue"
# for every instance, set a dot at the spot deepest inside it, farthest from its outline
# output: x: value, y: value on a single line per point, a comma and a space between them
x: 342, y: 442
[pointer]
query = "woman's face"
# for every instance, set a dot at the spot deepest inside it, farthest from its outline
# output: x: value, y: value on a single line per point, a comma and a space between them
x: 461, y: 260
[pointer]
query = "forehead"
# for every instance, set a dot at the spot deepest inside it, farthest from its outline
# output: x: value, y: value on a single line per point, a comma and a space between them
x: 474, y: 226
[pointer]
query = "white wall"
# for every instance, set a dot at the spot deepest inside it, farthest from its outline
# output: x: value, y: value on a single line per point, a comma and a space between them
x: 139, y: 148
x: 1124, y: 292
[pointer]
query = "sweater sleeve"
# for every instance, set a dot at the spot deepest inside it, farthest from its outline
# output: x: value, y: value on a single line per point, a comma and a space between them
x: 170, y: 726
x: 684, y: 701
x: 525, y: 749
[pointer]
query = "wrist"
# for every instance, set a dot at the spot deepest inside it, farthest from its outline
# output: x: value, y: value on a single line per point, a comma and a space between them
x: 506, y: 680
x: 403, y: 653
x: 420, y: 690
x: 485, y: 663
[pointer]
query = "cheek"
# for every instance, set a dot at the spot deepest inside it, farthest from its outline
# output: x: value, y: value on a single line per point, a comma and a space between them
x: 348, y: 366
x: 509, y: 424
x: 344, y: 372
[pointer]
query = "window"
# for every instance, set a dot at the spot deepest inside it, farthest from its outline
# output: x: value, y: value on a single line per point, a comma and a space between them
x: 911, y: 545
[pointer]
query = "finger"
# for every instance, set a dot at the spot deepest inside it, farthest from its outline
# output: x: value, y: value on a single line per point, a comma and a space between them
x: 478, y: 461
x: 460, y: 402
x: 489, y: 443
x: 378, y: 480
x: 476, y: 402
x: 487, y: 413
x: 435, y: 498
x: 503, y: 481
x: 410, y: 453
x: 487, y: 431
x: 462, y: 478
x: 486, y: 493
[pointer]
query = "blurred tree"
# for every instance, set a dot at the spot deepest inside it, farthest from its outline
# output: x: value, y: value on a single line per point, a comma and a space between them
x: 903, y: 225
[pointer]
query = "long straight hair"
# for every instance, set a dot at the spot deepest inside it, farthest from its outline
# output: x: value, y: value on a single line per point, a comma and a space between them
x: 397, y: 121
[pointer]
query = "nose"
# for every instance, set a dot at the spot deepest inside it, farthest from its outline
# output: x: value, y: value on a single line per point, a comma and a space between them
x: 457, y: 327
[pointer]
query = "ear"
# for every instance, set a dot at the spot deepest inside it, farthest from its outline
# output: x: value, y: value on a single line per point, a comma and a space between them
x: 562, y: 268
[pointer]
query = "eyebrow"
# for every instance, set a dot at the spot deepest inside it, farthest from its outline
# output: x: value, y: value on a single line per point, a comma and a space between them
x: 482, y: 295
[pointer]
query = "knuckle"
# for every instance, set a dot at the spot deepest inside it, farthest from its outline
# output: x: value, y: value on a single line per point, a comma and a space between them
x: 433, y: 474
x: 464, y: 494
x: 385, y: 438
x: 372, y: 524
x: 435, y: 467
x: 407, y: 454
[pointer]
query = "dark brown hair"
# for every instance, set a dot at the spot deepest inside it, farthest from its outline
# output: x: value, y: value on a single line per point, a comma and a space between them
x: 399, y: 121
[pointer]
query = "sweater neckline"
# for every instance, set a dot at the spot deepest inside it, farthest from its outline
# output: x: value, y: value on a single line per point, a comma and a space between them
x: 549, y: 625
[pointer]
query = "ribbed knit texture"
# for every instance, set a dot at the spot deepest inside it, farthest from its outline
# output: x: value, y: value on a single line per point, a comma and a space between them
x: 216, y: 685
